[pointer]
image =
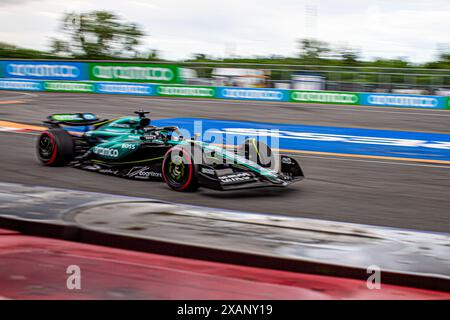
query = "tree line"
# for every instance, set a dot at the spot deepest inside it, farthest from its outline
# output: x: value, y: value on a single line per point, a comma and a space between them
x: 103, y: 35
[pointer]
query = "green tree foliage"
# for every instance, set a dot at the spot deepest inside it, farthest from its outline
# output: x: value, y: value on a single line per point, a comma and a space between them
x: 443, y: 61
x: 11, y: 51
x: 98, y: 35
x: 200, y: 57
x: 312, y: 50
x: 349, y: 56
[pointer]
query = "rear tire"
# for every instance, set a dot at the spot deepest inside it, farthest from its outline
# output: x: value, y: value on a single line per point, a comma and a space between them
x: 55, y: 147
x: 179, y: 170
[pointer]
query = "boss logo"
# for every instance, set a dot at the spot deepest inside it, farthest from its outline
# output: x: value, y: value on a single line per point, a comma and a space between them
x: 129, y: 146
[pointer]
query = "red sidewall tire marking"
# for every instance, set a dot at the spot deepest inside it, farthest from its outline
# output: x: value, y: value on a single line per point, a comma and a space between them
x: 55, y: 147
x: 190, y: 165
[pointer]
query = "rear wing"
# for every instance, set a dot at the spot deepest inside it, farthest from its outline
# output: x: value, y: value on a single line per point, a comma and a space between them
x: 73, y: 119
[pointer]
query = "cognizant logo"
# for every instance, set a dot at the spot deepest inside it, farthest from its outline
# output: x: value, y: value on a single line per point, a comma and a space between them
x: 68, y: 86
x: 133, y: 73
x: 117, y: 88
x: 186, y: 91
x: 42, y: 70
x: 19, y: 85
x: 404, y: 101
x: 325, y: 97
x: 252, y: 94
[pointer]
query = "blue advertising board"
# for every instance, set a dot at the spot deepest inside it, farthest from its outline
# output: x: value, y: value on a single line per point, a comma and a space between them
x: 125, y: 88
x: 252, y: 94
x: 21, y: 85
x: 45, y: 70
x: 385, y: 143
x: 402, y: 100
x: 1, y: 69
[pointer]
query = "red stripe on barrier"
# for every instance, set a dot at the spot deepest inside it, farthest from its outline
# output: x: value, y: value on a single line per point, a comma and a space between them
x: 7, y: 232
x: 35, y: 268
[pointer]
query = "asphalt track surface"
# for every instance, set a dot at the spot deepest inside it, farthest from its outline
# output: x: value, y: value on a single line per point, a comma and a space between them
x: 368, y: 191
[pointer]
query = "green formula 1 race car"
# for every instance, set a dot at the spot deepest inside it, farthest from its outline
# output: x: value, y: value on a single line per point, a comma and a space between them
x: 131, y: 147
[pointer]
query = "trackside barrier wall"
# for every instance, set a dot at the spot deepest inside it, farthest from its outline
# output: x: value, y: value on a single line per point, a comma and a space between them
x: 133, y: 72
x: 404, y: 100
x: 89, y: 71
x: 229, y: 93
x: 331, y: 97
x: 44, y: 70
x: 252, y: 94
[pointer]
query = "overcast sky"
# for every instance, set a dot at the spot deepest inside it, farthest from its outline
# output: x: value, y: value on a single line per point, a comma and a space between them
x: 179, y: 28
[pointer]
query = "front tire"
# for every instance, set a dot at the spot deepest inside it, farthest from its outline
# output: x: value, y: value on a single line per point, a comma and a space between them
x: 55, y: 147
x: 179, y: 170
x: 257, y: 151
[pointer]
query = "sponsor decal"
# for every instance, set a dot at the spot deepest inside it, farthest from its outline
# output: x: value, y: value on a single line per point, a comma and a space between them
x: 109, y: 171
x: 67, y: 117
x: 287, y: 176
x: 401, y: 100
x: 128, y: 88
x: 120, y: 125
x: 185, y: 91
x: 106, y: 152
x: 208, y: 171
x: 325, y: 97
x: 20, y: 85
x: 252, y: 94
x: 129, y: 146
x: 236, y: 178
x: 143, y: 173
x: 89, y: 116
x: 148, y: 136
x: 286, y: 160
x: 68, y: 86
x: 46, y: 70
x: 135, y: 72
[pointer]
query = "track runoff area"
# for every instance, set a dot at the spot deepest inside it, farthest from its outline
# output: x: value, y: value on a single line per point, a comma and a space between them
x: 379, y: 166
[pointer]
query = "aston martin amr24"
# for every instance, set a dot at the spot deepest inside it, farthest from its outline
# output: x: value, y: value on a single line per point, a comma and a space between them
x: 132, y: 147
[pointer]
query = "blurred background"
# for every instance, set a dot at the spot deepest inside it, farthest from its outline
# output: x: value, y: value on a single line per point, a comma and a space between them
x: 377, y: 182
x: 400, y: 47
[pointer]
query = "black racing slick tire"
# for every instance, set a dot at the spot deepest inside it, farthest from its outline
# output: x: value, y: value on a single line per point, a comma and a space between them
x: 256, y: 151
x: 179, y: 170
x: 55, y: 147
